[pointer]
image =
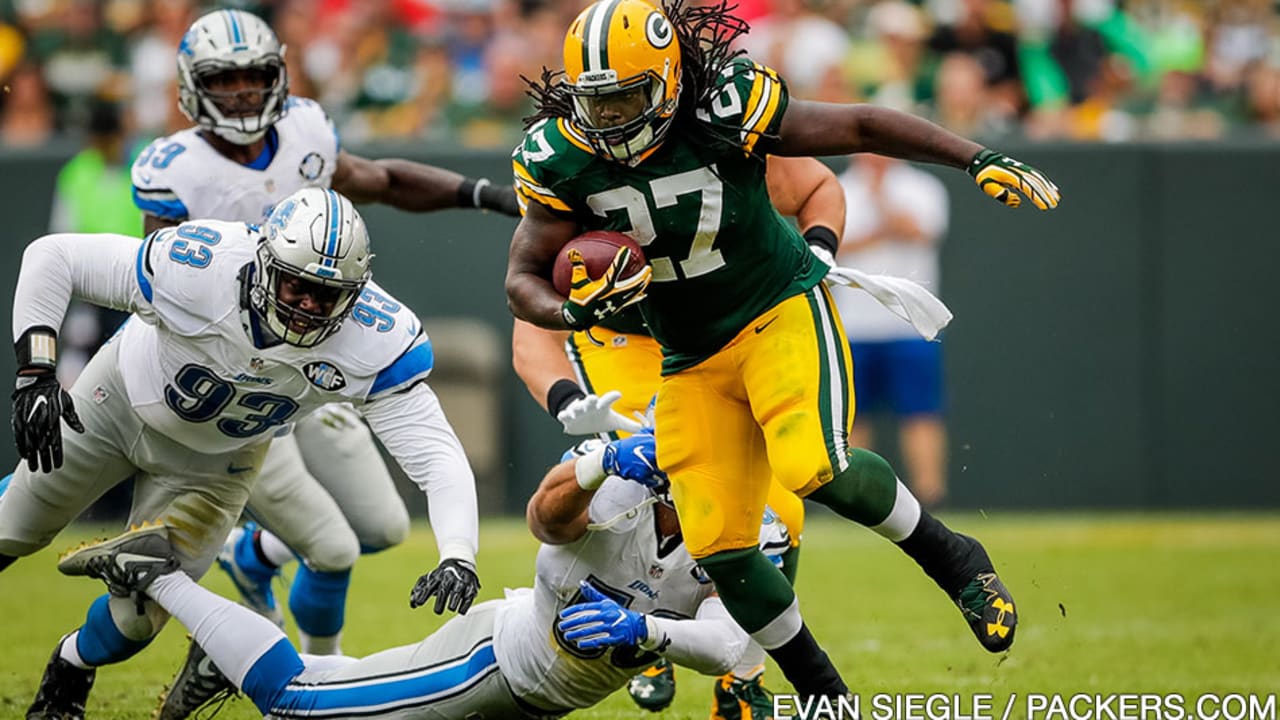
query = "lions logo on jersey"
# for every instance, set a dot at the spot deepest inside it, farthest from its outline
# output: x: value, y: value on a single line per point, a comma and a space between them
x: 324, y: 375
x: 311, y: 166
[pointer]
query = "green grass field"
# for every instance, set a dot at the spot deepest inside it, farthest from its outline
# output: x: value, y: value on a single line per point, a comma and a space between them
x: 1108, y: 603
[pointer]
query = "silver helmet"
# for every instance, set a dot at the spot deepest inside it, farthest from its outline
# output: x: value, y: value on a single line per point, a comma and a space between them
x: 314, y: 244
x: 226, y: 41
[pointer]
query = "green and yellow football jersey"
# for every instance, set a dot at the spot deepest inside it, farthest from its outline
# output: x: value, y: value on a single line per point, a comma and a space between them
x: 699, y: 205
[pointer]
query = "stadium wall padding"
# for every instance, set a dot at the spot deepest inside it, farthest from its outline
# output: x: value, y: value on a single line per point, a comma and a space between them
x: 1119, y: 352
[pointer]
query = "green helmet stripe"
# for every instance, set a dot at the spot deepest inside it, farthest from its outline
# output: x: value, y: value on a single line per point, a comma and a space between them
x: 587, y: 37
x: 595, y: 46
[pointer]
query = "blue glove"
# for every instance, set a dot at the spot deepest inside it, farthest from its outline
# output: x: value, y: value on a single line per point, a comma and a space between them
x: 601, y: 622
x: 635, y: 458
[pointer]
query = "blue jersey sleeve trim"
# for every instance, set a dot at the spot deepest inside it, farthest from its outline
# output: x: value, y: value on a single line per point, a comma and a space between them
x: 168, y: 209
x: 417, y: 361
x: 144, y: 284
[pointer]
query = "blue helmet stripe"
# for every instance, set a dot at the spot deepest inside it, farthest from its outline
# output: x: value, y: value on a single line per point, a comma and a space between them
x: 235, y: 28
x: 331, y: 247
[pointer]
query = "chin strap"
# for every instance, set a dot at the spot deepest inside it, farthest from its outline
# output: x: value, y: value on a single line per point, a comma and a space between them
x: 624, y: 515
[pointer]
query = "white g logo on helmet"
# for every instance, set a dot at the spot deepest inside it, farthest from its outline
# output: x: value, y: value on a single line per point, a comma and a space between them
x: 658, y: 30
x: 317, y: 236
x: 223, y: 41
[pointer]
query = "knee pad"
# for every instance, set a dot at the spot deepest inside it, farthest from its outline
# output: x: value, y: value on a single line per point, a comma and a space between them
x: 391, y: 531
x: 335, y: 552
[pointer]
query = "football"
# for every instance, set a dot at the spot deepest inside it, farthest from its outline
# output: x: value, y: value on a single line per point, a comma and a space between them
x: 598, y: 249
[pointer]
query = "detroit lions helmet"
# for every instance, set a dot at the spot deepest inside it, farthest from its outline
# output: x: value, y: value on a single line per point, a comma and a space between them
x: 314, y: 245
x: 226, y: 41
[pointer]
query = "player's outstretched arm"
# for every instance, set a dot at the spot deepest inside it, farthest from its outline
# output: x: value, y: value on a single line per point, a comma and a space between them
x: 816, y: 129
x: 537, y: 239
x: 418, y: 187
x: 557, y: 512
x: 96, y: 268
x: 99, y: 269
x: 413, y: 427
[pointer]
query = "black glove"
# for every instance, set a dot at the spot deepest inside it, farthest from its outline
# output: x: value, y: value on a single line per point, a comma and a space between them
x: 453, y: 581
x: 40, y: 403
x: 480, y: 193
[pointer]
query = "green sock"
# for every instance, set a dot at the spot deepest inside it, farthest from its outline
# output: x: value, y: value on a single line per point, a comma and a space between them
x: 751, y: 587
x: 864, y: 492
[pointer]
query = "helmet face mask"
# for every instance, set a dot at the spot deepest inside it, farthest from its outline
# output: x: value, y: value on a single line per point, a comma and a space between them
x: 239, y: 92
x: 231, y: 76
x: 622, y: 121
x: 311, y: 265
x: 622, y: 70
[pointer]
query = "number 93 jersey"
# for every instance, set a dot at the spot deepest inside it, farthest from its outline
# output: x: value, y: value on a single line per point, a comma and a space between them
x: 182, y: 176
x: 200, y: 369
x: 699, y: 206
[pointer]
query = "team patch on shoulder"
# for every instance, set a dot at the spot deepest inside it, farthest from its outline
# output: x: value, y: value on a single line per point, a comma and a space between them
x: 324, y: 375
x: 311, y: 166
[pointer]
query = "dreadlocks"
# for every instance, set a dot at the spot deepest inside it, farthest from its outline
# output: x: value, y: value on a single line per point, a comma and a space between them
x: 706, y: 34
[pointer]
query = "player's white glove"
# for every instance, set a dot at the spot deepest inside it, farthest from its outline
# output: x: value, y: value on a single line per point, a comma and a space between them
x: 594, y: 414
x: 453, y: 583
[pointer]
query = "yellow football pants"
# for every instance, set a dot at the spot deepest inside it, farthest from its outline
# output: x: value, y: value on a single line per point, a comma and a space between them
x: 632, y: 364
x: 777, y: 400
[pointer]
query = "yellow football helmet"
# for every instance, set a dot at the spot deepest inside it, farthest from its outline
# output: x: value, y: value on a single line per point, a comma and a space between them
x: 622, y: 67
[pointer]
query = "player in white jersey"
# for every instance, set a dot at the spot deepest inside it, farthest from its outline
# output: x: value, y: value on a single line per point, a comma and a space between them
x: 324, y: 489
x: 614, y: 591
x: 237, y: 329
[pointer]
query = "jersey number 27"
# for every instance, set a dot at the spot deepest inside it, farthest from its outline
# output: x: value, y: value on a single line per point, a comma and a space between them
x: 666, y: 191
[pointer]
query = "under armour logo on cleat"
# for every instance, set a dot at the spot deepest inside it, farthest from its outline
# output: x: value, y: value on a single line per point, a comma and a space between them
x: 998, y: 627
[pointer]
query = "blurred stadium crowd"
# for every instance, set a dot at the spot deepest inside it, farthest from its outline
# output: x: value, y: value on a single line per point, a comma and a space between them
x: 448, y: 71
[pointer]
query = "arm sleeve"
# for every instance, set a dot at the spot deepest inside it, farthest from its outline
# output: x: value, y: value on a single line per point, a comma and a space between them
x: 99, y: 269
x: 413, y: 427
x: 712, y: 643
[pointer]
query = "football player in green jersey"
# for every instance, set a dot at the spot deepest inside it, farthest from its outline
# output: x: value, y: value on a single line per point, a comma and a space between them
x: 658, y: 129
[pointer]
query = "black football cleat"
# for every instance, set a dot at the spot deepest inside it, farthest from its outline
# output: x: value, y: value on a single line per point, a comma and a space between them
x: 199, y: 683
x: 64, y: 690
x: 655, y: 688
x: 128, y: 563
x: 987, y: 606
